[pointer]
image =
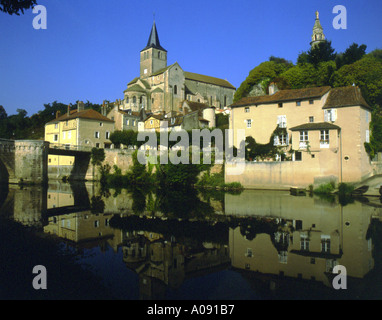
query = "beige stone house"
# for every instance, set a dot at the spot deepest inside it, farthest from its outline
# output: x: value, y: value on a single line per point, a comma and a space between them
x: 191, y: 115
x: 325, y: 132
x: 162, y: 88
x: 79, y: 127
x: 124, y: 119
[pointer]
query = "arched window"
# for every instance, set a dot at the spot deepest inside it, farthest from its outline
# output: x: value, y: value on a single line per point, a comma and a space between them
x: 175, y: 89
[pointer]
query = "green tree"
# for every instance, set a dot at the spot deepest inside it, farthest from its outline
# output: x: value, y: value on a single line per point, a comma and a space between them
x: 267, y: 71
x: 365, y: 73
x: 300, y: 76
x: 322, y: 52
x: 16, y: 6
x: 351, y: 55
x: 97, y: 156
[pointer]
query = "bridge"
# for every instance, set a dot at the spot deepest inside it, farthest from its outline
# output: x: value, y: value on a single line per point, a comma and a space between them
x: 26, y: 161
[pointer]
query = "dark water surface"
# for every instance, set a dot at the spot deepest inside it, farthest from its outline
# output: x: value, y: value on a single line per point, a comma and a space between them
x: 186, y: 244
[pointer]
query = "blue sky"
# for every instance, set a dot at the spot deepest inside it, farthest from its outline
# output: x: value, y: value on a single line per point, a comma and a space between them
x: 90, y: 49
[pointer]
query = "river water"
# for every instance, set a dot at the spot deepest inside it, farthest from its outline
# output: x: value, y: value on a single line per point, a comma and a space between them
x: 139, y: 244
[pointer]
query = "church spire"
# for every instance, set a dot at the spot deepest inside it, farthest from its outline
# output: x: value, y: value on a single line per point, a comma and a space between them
x: 318, y: 32
x: 153, y: 41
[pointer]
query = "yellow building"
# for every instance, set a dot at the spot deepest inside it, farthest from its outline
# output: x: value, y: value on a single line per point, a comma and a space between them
x: 80, y: 127
x: 324, y: 132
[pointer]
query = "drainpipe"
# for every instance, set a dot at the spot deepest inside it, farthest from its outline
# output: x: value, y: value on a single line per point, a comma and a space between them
x: 340, y: 136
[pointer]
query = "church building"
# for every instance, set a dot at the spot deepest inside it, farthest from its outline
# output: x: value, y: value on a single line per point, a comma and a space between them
x: 162, y: 88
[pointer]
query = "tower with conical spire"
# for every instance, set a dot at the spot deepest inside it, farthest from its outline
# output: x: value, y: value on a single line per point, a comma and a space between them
x: 318, y: 32
x: 153, y: 56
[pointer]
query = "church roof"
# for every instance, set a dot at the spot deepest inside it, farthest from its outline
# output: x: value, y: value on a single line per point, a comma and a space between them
x: 208, y: 79
x: 135, y: 88
x: 153, y: 41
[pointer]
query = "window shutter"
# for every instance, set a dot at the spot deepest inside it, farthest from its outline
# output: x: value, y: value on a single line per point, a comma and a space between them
x: 334, y: 114
x: 276, y: 140
x: 326, y: 116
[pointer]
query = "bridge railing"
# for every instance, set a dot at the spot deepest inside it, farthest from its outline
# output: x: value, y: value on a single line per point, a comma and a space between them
x: 70, y: 147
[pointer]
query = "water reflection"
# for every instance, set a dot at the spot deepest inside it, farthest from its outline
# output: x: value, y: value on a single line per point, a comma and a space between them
x: 166, y: 238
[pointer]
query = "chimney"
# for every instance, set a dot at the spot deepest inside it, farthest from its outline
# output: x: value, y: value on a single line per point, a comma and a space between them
x: 80, y: 106
x: 272, y: 88
x: 103, y: 108
x: 58, y: 113
x: 68, y: 113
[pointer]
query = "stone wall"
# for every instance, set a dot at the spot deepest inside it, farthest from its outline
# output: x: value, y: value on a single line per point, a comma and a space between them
x: 280, y: 175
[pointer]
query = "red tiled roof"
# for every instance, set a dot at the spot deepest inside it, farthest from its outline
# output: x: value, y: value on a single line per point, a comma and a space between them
x: 283, y: 96
x: 83, y: 114
x: 345, y: 97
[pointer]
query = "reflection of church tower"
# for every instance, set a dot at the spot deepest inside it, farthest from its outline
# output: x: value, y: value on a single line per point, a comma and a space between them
x: 153, y: 56
x: 318, y: 32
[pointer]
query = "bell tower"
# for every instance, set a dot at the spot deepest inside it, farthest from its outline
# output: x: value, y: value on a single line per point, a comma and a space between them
x: 318, y: 32
x: 153, y: 56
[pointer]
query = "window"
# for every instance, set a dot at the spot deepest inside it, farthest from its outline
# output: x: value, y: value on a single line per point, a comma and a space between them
x: 158, y: 54
x: 127, y: 100
x: 304, y: 139
x: 133, y: 123
x: 64, y: 135
x: 145, y: 71
x: 175, y: 89
x: 324, y: 139
x: 151, y: 122
x: 96, y: 223
x: 298, y: 103
x: 325, y: 244
x: 249, y: 123
x: 127, y: 122
x: 107, y: 135
x: 280, y: 105
x: 330, y: 115
x: 70, y: 134
x: 368, y: 136
x: 281, y: 140
x: 282, y: 121
x: 304, y: 242
x: 249, y: 253
x: 56, y: 126
x: 55, y: 137
x: 101, y: 124
x: 96, y: 134
x: 283, y: 257
x: 225, y: 101
x: 134, y: 100
x: 311, y: 101
x: 311, y: 119
x: 246, y: 110
x: 97, y: 145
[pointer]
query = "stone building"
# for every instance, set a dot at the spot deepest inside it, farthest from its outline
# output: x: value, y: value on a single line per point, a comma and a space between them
x: 80, y: 127
x: 161, y: 88
x: 324, y: 132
